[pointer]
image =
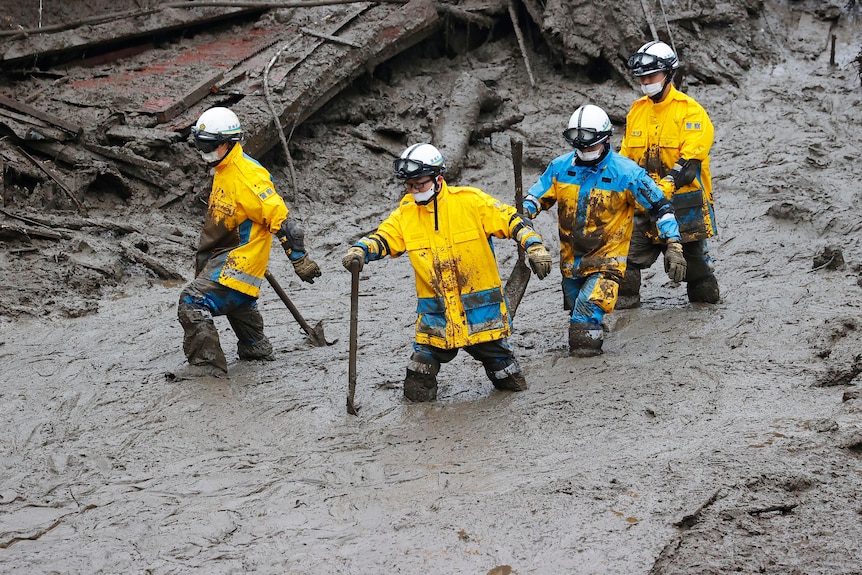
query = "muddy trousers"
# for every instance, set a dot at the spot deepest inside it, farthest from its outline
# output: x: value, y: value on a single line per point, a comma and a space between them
x: 701, y: 284
x: 200, y: 301
x: 499, y: 362
x: 589, y: 298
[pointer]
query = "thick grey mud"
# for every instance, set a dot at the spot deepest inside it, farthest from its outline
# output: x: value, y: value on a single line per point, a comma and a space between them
x: 706, y: 439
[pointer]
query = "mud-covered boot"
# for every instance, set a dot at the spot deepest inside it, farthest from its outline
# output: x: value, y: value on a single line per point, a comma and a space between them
x: 259, y: 350
x: 506, y: 375
x: 585, y: 339
x: 703, y: 290
x: 420, y: 386
x: 629, y: 295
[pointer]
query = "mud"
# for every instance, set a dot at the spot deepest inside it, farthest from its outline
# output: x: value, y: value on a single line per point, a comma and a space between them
x: 706, y: 439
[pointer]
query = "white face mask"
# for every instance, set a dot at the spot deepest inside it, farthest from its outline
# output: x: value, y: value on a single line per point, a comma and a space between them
x: 652, y: 89
x: 210, y: 157
x: 425, y: 197
x: 590, y: 156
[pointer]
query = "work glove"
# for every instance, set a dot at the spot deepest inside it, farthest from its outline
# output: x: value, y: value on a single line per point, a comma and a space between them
x: 674, y: 262
x: 540, y: 260
x: 354, y: 254
x: 306, y: 269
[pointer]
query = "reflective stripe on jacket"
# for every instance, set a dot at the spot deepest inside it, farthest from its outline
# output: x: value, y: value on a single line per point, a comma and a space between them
x: 595, y: 205
x: 449, y: 242
x: 657, y: 135
x: 243, y: 212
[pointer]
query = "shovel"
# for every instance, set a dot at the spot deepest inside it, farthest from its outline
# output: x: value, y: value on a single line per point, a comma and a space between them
x: 354, y: 320
x: 516, y: 285
x: 314, y: 334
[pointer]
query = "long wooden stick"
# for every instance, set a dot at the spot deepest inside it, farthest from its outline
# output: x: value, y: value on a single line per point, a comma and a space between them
x: 354, y: 321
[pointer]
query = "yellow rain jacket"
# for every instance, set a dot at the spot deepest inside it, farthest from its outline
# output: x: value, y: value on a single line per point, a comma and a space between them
x: 243, y: 212
x: 449, y: 242
x: 657, y: 135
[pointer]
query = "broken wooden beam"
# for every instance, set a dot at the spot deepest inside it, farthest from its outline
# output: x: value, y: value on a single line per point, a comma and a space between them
x: 44, y: 116
x: 175, y: 108
x: 325, y: 73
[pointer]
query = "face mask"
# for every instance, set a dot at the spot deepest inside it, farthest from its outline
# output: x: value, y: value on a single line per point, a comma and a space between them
x: 210, y: 157
x: 652, y: 89
x: 590, y: 156
x: 425, y: 197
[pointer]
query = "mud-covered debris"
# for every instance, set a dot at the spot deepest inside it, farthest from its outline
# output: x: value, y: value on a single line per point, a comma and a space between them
x: 831, y: 258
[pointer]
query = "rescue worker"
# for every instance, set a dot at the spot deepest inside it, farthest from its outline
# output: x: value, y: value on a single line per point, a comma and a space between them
x: 447, y: 232
x: 597, y: 192
x: 243, y: 212
x: 670, y: 135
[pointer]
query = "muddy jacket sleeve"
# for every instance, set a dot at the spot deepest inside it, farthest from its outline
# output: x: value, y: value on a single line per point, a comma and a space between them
x: 543, y: 194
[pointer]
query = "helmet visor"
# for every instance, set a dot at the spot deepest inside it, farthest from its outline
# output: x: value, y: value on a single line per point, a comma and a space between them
x: 584, y: 137
x: 644, y: 64
x: 405, y: 168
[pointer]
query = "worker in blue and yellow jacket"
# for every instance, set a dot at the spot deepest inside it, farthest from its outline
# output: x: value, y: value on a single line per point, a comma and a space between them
x: 243, y: 213
x: 670, y: 135
x: 597, y: 192
x: 447, y: 232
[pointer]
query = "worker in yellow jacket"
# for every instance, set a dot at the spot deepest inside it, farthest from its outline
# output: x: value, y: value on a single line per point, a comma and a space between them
x: 447, y: 232
x: 670, y: 135
x: 243, y: 213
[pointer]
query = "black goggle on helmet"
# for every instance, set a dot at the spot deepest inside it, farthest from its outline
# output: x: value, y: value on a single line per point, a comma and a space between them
x: 417, y: 161
x: 585, y: 137
x: 207, y: 142
x: 651, y: 58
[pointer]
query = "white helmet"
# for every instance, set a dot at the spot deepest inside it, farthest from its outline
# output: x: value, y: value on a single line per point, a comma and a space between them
x: 588, y: 126
x: 215, y: 127
x: 653, y: 57
x: 419, y: 160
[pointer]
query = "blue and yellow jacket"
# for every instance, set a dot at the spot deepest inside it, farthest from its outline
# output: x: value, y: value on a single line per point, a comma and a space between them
x: 449, y: 242
x: 595, y: 205
x: 657, y: 136
x: 243, y: 212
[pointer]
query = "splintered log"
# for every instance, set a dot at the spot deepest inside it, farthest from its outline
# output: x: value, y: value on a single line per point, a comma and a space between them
x: 453, y: 129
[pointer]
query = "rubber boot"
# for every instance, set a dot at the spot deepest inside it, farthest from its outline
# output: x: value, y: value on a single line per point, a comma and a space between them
x: 585, y: 339
x: 703, y: 290
x: 629, y: 295
x: 506, y: 375
x: 259, y: 350
x: 420, y: 386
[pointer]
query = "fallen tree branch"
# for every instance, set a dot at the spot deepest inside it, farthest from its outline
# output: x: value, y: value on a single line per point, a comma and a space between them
x: 513, y: 14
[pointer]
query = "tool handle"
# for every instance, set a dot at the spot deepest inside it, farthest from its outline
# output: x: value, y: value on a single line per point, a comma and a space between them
x: 517, y: 162
x: 354, y: 321
x: 283, y: 295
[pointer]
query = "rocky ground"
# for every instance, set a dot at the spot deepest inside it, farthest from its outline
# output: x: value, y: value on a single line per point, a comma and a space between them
x: 706, y: 439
